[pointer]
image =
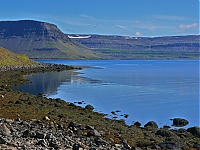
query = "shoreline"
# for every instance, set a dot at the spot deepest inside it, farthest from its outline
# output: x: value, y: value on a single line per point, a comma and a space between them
x: 45, y: 66
x: 16, y: 104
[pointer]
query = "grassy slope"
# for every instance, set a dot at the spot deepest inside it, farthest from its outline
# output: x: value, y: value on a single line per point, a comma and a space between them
x: 48, y: 48
x: 75, y: 52
x: 8, y: 58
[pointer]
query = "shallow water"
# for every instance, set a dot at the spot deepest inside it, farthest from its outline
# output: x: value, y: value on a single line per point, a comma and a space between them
x: 145, y: 90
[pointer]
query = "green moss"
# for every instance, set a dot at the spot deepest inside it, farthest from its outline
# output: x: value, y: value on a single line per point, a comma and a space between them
x: 10, y: 59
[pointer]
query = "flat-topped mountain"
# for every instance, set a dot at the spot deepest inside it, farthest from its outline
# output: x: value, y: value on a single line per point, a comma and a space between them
x: 37, y: 39
x: 27, y: 28
x: 122, y: 47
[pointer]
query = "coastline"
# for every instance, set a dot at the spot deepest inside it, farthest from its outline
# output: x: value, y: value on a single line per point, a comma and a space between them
x: 43, y: 66
x: 16, y: 104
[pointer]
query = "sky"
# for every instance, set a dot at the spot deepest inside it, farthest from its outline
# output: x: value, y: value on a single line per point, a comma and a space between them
x: 135, y: 18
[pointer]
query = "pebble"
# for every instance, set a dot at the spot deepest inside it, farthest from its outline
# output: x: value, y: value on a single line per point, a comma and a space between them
x: 33, y: 134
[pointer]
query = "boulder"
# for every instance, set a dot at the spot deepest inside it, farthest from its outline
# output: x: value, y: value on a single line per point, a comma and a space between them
x: 53, y: 144
x: 4, y: 130
x: 89, y: 127
x: 76, y: 147
x: 100, y: 141
x: 40, y: 135
x: 194, y: 130
x: 71, y: 125
x: 43, y: 143
x: 137, y: 124
x: 165, y: 133
x: 46, y: 118
x: 9, y: 120
x: 89, y: 107
x: 2, y: 141
x: 94, y: 133
x: 179, y: 122
x: 152, y: 124
x: 26, y: 133
x: 170, y: 145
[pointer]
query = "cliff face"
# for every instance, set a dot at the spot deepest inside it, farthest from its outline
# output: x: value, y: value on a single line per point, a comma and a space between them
x: 40, y: 40
x: 29, y: 28
x: 178, y: 43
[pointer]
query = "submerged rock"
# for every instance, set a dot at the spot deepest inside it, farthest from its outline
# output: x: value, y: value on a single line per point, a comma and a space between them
x: 179, y: 122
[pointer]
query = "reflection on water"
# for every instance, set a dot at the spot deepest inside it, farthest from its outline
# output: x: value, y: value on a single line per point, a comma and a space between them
x: 47, y: 83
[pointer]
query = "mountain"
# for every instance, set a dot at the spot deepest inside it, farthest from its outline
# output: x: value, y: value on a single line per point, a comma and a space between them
x: 8, y: 58
x: 37, y: 39
x: 122, y: 47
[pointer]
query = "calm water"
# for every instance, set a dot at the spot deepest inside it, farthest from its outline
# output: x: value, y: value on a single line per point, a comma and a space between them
x: 146, y: 90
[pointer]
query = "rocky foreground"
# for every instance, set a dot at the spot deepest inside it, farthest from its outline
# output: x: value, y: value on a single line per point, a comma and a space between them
x: 34, y: 134
x: 36, y: 122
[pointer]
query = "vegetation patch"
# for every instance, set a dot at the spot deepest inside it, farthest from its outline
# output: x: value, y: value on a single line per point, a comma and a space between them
x: 10, y: 59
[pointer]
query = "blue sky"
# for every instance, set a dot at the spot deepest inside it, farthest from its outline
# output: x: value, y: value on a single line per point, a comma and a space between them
x: 110, y: 17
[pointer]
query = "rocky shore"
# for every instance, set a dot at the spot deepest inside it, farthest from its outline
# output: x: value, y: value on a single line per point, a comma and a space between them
x: 36, y: 122
x: 34, y: 134
x: 47, y: 67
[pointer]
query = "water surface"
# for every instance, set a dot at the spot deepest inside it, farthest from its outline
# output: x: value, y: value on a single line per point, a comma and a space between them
x: 146, y: 90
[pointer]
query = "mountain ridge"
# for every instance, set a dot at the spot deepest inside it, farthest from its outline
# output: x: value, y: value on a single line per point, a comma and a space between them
x: 123, y: 47
x: 43, y: 40
x: 37, y: 39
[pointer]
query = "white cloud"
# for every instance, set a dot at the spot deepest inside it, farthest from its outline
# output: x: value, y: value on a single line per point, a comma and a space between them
x: 87, y: 16
x: 123, y: 27
x: 137, y: 21
x: 179, y: 31
x: 169, y: 18
x: 138, y: 34
x: 187, y: 26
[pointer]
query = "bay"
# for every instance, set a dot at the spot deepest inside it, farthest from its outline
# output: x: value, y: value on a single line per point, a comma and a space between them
x: 144, y: 89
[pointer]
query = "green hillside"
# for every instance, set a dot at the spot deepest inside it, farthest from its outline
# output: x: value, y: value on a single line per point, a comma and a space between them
x: 8, y: 58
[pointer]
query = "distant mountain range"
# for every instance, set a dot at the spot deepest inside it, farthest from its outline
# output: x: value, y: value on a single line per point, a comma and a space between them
x: 41, y: 40
x: 122, y: 47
